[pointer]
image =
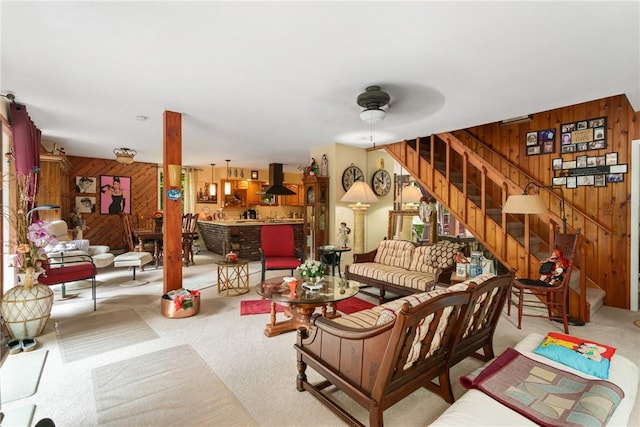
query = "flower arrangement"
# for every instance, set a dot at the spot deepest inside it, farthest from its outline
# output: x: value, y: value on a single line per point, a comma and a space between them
x: 311, y: 169
x: 311, y: 268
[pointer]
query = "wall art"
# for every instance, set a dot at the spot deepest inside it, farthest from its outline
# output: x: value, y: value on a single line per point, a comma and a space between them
x: 584, y: 135
x: 86, y: 184
x: 541, y: 142
x: 115, y: 194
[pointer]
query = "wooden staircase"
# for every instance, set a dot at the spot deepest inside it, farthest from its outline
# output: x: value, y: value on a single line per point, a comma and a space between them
x: 473, y: 182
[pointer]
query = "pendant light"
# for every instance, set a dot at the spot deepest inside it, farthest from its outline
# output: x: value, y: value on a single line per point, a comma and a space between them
x: 212, y: 186
x: 227, y: 184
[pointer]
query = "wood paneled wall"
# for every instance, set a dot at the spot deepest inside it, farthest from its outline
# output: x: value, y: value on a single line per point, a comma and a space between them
x: 606, y: 209
x: 107, y: 229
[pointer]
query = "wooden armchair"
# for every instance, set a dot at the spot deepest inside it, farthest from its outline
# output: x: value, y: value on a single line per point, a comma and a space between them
x: 378, y: 366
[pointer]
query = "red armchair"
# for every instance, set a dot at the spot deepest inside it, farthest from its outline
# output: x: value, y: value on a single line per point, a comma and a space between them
x: 278, y: 251
x: 81, y: 267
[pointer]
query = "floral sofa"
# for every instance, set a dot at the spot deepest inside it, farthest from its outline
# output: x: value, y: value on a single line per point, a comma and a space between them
x: 402, y: 267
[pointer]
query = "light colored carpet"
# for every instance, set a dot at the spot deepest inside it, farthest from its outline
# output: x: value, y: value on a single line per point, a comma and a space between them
x: 259, y: 371
x: 171, y: 387
x: 100, y: 333
x: 20, y: 375
x: 19, y: 417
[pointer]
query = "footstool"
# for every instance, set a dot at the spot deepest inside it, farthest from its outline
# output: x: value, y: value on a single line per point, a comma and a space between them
x: 133, y: 259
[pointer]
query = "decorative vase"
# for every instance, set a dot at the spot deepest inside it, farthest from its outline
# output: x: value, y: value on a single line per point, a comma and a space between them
x: 26, y: 307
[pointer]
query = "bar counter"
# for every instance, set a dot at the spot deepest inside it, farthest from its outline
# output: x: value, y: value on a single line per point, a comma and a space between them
x: 242, y: 236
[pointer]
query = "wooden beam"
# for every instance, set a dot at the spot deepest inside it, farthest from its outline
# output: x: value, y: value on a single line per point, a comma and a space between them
x: 172, y: 209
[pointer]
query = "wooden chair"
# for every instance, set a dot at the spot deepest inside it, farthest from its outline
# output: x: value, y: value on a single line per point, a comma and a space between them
x: 189, y: 224
x: 541, y: 294
x: 277, y: 249
x: 378, y: 366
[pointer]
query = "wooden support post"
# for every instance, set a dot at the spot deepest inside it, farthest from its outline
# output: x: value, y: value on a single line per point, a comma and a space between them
x: 172, y: 241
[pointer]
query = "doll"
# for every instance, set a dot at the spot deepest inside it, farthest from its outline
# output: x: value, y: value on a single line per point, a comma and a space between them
x: 553, y: 268
x: 343, y: 235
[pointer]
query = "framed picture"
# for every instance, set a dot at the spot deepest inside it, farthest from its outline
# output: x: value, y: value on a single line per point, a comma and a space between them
x: 611, y: 159
x: 86, y: 184
x: 559, y: 180
x: 585, y: 180
x: 591, y: 161
x: 533, y: 150
x: 556, y: 164
x: 618, y: 168
x: 571, y: 182
x: 115, y: 194
x: 571, y: 148
x: 584, y: 135
x: 85, y: 204
x: 600, y: 161
x: 581, y: 161
x: 569, y: 165
x: 254, y: 174
x: 600, y: 181
x: 615, y: 177
x: 532, y: 138
x: 539, y: 142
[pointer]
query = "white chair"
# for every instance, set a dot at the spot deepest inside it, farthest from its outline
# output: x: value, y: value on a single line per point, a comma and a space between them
x: 67, y: 247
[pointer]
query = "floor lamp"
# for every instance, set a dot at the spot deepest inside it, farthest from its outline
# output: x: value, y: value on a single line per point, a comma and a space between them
x: 361, y: 195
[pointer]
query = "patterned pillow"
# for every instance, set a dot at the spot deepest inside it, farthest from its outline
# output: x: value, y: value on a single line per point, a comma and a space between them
x: 421, y: 260
x: 443, y: 253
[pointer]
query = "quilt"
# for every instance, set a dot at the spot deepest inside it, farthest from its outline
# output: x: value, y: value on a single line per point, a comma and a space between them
x: 544, y: 394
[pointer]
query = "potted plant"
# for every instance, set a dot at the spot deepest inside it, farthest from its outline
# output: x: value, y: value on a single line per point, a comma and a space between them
x: 26, y: 307
x: 311, y: 270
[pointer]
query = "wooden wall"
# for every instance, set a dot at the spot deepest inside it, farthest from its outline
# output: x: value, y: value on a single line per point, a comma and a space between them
x: 107, y: 229
x: 607, y: 224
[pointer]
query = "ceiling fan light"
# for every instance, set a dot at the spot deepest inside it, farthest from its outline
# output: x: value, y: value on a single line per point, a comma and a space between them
x: 372, y: 116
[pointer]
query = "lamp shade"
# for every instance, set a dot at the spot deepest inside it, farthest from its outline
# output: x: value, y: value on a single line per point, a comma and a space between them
x: 359, y: 192
x: 525, y: 204
x: 409, y: 194
x: 372, y: 116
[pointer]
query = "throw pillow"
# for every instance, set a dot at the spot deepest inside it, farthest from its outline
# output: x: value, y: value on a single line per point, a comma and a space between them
x: 443, y: 254
x: 583, y: 355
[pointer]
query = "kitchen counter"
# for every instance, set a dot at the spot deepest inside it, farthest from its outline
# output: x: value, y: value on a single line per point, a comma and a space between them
x: 242, y: 236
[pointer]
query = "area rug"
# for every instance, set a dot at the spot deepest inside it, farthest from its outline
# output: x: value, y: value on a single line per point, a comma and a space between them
x: 263, y: 306
x: 18, y: 417
x: 20, y: 375
x: 170, y: 387
x: 101, y: 333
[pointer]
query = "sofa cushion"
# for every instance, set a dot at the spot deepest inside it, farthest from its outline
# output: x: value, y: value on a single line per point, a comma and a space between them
x: 443, y: 253
x: 396, y: 253
x: 360, y: 319
x: 422, y: 260
x: 393, y: 275
x: 391, y: 308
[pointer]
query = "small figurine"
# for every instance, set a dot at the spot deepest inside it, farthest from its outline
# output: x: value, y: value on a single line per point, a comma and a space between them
x: 324, y: 166
x: 343, y: 235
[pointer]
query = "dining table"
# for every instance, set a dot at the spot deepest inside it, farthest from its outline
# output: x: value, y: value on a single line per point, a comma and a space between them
x: 156, y: 237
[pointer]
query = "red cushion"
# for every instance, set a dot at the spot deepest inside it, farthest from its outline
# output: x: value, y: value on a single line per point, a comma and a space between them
x: 281, y: 263
x: 277, y: 241
x: 68, y: 273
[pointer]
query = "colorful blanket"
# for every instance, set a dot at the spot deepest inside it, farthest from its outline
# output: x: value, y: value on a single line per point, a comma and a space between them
x: 544, y: 394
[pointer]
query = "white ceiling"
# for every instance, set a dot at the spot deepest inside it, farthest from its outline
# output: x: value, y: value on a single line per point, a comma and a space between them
x: 264, y: 82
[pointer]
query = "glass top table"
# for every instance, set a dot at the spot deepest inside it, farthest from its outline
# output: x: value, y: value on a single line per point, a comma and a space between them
x: 302, y: 303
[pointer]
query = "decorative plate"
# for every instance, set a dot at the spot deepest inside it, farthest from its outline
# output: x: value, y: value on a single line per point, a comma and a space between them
x: 174, y: 194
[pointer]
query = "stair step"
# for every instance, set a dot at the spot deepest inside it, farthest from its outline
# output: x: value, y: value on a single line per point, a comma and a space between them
x: 595, y: 299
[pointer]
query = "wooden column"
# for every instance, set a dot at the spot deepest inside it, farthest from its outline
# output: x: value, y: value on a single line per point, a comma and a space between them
x: 172, y: 155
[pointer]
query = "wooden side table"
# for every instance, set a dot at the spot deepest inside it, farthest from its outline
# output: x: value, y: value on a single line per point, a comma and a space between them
x: 233, y: 276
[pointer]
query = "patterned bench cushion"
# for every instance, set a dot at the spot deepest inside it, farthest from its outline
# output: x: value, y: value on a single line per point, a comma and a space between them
x: 394, y: 275
x: 360, y: 319
x: 395, y: 253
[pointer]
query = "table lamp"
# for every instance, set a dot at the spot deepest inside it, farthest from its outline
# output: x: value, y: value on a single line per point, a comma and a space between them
x: 361, y: 195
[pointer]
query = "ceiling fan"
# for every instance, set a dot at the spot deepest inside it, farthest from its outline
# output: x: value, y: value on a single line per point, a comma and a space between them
x: 373, y: 99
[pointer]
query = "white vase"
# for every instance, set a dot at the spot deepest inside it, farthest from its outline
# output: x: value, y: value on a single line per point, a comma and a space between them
x: 26, y: 310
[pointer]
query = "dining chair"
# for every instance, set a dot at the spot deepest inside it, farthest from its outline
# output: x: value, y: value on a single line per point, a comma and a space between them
x: 535, y: 293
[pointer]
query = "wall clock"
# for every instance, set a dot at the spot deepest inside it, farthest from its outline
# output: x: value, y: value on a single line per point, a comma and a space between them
x: 350, y: 175
x: 381, y: 182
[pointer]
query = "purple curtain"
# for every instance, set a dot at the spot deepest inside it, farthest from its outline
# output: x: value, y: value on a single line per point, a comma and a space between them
x: 26, y: 145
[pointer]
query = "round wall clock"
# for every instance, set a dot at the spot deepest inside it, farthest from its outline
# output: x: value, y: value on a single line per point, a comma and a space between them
x: 381, y: 182
x: 350, y: 175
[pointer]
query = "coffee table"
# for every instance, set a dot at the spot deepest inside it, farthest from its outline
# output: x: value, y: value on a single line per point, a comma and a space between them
x: 303, y: 303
